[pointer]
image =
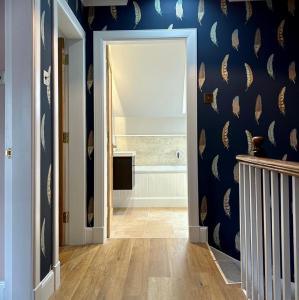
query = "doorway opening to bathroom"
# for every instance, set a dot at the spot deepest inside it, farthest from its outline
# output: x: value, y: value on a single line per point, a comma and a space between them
x: 148, y: 163
x: 147, y: 128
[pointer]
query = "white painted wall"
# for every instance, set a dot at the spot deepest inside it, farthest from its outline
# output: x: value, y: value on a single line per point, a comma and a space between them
x: 2, y: 132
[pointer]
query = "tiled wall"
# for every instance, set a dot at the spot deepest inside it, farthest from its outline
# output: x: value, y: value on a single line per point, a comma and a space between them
x: 155, y: 150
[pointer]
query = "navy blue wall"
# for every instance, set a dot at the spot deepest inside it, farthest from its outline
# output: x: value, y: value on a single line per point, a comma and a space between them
x: 223, y: 211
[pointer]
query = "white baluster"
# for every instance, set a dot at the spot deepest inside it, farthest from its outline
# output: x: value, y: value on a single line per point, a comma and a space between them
x: 275, y: 236
x: 242, y: 227
x: 247, y: 231
x: 259, y: 231
x: 254, y: 284
x: 285, y: 237
x: 267, y: 235
x: 296, y: 233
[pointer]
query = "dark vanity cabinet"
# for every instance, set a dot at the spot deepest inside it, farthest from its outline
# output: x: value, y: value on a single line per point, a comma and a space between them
x: 123, y: 172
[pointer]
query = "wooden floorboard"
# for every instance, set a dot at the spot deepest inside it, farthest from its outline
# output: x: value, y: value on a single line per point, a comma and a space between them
x: 142, y: 269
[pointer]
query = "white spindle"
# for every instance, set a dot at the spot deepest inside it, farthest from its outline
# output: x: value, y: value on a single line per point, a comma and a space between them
x: 285, y: 238
x: 259, y: 232
x: 242, y: 227
x: 254, y: 284
x: 275, y: 236
x: 267, y: 235
x: 247, y: 231
x: 296, y: 233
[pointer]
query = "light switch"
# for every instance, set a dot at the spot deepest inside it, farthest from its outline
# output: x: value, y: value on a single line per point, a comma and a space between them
x: 2, y: 77
x: 208, y: 98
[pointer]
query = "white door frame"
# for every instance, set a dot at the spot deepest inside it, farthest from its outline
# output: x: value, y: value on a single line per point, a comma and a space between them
x: 101, y: 40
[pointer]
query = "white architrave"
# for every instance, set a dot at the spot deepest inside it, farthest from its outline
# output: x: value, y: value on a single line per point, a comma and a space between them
x: 101, y: 40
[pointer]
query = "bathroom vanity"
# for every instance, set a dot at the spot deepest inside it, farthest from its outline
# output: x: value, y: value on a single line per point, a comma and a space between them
x: 123, y: 170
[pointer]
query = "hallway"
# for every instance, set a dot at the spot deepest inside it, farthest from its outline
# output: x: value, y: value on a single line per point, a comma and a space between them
x: 142, y: 269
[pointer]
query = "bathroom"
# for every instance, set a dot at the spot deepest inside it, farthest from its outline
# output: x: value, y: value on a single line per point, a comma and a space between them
x: 149, y: 137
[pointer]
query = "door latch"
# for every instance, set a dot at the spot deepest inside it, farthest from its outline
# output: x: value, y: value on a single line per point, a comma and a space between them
x: 8, y: 153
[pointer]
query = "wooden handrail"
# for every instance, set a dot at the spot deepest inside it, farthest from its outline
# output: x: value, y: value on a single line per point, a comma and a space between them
x: 284, y: 167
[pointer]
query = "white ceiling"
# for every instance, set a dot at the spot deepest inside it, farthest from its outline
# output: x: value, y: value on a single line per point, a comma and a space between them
x: 149, y: 78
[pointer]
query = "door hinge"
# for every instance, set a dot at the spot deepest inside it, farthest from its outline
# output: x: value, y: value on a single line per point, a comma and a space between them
x: 66, y: 217
x: 8, y: 153
x: 66, y: 59
x: 66, y: 138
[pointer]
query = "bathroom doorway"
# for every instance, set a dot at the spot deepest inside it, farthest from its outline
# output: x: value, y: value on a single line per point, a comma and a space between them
x: 155, y: 172
x: 147, y: 129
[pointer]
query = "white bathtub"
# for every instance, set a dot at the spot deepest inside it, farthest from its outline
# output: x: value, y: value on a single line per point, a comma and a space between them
x: 155, y: 186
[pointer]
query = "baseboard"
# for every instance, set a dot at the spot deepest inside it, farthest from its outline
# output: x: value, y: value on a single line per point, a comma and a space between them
x: 226, y: 256
x: 45, y: 288
x: 2, y: 287
x: 56, y: 270
x: 198, y: 234
x: 94, y: 235
x: 151, y: 202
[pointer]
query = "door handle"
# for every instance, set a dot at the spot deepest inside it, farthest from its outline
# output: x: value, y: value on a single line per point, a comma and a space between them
x: 8, y: 153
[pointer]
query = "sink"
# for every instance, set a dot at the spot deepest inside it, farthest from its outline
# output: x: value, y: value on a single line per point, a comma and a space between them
x: 124, y: 153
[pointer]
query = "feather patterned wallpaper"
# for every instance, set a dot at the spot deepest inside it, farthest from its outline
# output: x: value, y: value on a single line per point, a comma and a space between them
x: 46, y: 107
x: 46, y: 90
x: 247, y: 57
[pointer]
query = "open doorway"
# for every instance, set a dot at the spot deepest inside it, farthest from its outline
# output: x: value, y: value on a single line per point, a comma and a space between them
x: 147, y: 82
x: 102, y: 199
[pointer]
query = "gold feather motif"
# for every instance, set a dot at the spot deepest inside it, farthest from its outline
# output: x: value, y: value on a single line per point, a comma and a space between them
x: 223, y: 5
x: 201, y: 10
x: 214, y: 103
x: 224, y: 71
x: 236, y: 106
x: 47, y: 83
x: 203, y: 209
x: 42, y: 238
x: 49, y: 185
x: 270, y: 66
x: 292, y: 72
x: 158, y: 7
x: 90, y: 144
x: 294, y: 139
x: 235, y: 39
x: 170, y: 27
x: 285, y: 157
x: 215, y: 171
x: 249, y: 141
x: 257, y: 42
x: 213, y: 34
x: 271, y: 134
x: 281, y: 101
x: 42, y: 132
x: 249, y: 75
x: 236, y: 172
x: 216, y: 235
x: 226, y: 204
x: 137, y: 13
x: 90, y: 210
x: 202, y: 142
x: 201, y: 76
x: 225, y: 139
x: 237, y: 241
x: 90, y: 17
x: 248, y: 10
x: 179, y: 9
x: 90, y: 78
x: 258, y: 108
x: 42, y: 27
x: 113, y: 11
x: 269, y: 4
x: 280, y: 35
x: 291, y: 7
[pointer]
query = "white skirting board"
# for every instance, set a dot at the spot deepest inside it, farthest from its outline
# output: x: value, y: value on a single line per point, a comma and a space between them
x: 94, y: 235
x: 2, y: 286
x: 45, y: 288
x: 198, y: 234
x: 56, y: 270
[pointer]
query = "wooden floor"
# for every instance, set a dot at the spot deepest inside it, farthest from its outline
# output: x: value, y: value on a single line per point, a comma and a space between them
x: 137, y: 269
x: 149, y: 223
